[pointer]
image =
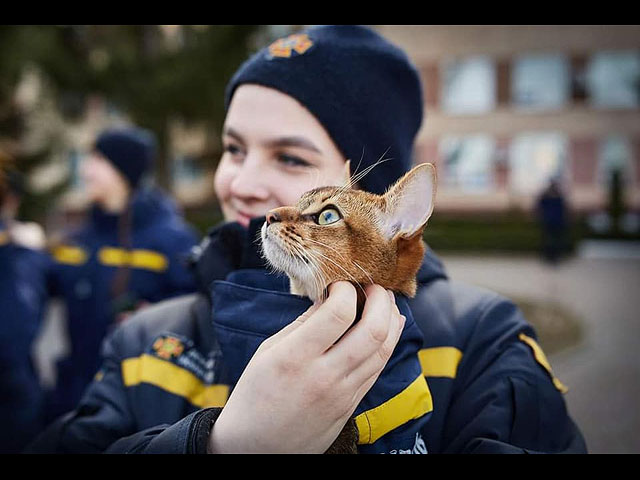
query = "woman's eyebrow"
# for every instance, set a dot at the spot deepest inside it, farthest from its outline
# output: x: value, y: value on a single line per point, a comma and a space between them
x: 299, y: 142
x: 292, y: 141
x: 232, y: 133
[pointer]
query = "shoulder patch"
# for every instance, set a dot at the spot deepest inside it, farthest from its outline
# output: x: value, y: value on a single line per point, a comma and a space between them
x: 168, y: 347
x: 181, y: 351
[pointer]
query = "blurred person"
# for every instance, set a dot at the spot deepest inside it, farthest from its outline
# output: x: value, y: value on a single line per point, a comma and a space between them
x: 552, y: 215
x: 23, y: 297
x: 132, y: 251
x: 296, y: 112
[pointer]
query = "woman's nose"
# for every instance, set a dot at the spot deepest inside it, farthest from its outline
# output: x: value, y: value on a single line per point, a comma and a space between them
x: 249, y: 183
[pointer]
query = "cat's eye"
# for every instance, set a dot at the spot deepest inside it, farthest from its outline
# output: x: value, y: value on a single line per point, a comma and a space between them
x: 328, y: 216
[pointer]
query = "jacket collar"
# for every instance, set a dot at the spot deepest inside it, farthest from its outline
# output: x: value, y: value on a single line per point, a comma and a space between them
x: 226, y: 248
x: 147, y: 205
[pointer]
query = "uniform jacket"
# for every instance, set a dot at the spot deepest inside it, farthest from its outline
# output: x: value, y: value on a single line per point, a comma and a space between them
x: 483, y: 383
x: 83, y: 276
x: 23, y: 298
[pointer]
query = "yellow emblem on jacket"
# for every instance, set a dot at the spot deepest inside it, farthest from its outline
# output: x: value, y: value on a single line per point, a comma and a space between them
x: 284, y: 47
x: 168, y: 347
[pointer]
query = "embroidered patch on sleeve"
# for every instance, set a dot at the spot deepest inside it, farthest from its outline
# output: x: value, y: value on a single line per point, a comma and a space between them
x: 182, y: 352
x: 168, y: 347
x: 173, y: 364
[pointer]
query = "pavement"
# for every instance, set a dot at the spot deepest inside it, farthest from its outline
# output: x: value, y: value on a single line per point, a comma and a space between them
x: 599, y: 284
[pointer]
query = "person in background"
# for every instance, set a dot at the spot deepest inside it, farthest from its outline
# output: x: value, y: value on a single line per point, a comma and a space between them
x: 552, y: 215
x: 23, y: 297
x: 132, y: 251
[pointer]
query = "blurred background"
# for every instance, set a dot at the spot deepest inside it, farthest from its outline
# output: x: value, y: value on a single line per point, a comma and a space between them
x: 508, y: 110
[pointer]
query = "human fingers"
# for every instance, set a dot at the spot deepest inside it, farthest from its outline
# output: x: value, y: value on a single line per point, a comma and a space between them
x: 370, y: 333
x: 286, y: 330
x: 327, y: 324
x: 365, y: 374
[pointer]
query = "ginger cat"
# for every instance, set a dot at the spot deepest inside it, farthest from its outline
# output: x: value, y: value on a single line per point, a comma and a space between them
x: 339, y: 233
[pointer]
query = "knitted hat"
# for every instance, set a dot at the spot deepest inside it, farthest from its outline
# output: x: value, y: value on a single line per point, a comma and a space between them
x: 361, y: 88
x: 130, y: 150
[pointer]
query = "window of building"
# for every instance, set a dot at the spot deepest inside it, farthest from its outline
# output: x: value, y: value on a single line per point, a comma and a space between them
x: 468, y: 162
x: 540, y: 82
x: 469, y: 86
x: 615, y: 154
x: 613, y: 79
x: 534, y: 159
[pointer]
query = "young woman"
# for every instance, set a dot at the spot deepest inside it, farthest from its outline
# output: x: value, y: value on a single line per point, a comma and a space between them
x: 297, y: 111
x: 133, y: 250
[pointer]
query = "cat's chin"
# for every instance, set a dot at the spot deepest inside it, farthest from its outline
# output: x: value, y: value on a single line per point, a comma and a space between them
x: 280, y: 259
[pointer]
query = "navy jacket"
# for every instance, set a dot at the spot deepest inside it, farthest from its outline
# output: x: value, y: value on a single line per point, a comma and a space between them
x: 167, y: 372
x: 552, y: 211
x: 83, y: 276
x: 23, y: 297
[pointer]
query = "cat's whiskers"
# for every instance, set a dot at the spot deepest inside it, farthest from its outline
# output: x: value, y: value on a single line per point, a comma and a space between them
x: 318, y: 284
x: 356, y: 177
x: 318, y: 278
x: 359, y: 176
x: 351, y: 277
x: 327, y: 270
x: 363, y: 271
x: 343, y: 257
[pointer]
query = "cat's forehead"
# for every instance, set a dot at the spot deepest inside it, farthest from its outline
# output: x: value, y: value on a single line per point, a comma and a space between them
x: 356, y: 200
x: 318, y: 196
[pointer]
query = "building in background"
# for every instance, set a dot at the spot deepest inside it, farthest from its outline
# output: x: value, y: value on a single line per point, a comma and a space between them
x: 509, y: 107
x: 506, y: 109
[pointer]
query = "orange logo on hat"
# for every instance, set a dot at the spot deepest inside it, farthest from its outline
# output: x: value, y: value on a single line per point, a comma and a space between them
x: 284, y: 47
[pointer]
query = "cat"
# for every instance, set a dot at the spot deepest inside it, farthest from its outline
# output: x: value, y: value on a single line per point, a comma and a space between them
x: 341, y: 233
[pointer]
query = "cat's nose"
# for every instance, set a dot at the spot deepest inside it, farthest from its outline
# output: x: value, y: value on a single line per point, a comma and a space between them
x: 273, y: 217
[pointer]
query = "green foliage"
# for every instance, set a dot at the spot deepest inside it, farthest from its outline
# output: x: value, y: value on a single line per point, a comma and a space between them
x: 499, y: 232
x: 138, y: 70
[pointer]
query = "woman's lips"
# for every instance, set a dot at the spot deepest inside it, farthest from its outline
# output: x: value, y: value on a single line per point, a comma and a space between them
x: 243, y: 218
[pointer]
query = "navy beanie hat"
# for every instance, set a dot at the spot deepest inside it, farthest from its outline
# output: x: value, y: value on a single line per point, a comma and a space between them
x: 363, y: 90
x: 130, y: 150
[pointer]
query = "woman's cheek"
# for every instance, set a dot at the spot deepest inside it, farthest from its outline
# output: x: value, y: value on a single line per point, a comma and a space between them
x: 222, y: 181
x: 292, y: 187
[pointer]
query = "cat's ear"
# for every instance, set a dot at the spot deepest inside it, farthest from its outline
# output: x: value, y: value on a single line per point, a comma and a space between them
x: 409, y: 202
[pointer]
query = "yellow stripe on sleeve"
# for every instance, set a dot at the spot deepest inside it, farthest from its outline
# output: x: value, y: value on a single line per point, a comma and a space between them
x: 149, y: 260
x: 439, y: 361
x: 174, y: 379
x: 413, y: 402
x: 143, y: 259
x: 541, y: 358
x: 70, y: 255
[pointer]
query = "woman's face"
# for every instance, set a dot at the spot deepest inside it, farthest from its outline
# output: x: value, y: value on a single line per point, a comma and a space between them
x: 274, y: 151
x: 102, y: 179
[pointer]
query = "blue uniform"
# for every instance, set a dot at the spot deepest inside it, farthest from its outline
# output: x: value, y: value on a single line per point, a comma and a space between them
x: 84, y: 275
x: 467, y: 376
x: 23, y: 297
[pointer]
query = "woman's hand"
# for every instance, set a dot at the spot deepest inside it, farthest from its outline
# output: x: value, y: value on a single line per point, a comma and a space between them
x: 301, y: 387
